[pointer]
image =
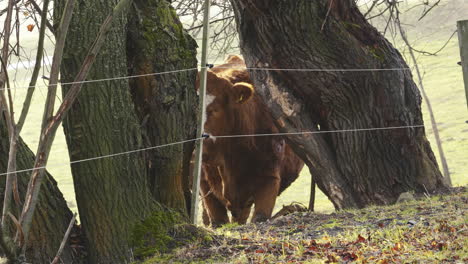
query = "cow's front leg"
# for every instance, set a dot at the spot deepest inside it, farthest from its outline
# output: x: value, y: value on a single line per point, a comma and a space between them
x: 265, y: 197
x: 216, y: 210
x: 213, y: 207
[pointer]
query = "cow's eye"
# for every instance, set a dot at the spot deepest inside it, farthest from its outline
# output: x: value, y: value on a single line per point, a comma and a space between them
x: 209, y: 112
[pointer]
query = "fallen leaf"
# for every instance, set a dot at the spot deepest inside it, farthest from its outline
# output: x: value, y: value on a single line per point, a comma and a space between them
x: 312, y: 248
x: 398, y: 246
x: 360, y: 239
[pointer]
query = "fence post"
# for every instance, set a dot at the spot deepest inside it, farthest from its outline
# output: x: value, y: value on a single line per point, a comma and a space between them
x: 201, y: 117
x: 462, y: 26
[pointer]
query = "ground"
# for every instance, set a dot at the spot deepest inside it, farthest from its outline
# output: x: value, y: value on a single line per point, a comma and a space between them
x: 430, y: 229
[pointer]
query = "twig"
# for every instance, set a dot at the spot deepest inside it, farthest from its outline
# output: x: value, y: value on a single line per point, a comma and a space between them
x: 11, y: 167
x: 326, y: 16
x: 43, y: 13
x: 18, y: 227
x: 6, y: 9
x: 212, y: 22
x: 374, y: 3
x: 443, y: 160
x: 37, y: 67
x: 429, y: 10
x: 64, y: 241
x: 439, y: 50
x: 47, y: 137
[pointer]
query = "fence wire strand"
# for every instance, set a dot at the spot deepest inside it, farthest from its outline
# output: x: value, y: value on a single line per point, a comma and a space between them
x: 237, y: 68
x: 215, y: 137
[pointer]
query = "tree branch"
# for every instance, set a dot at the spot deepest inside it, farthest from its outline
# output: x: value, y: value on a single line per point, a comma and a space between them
x: 65, y: 239
x: 212, y: 22
x: 439, y: 50
x: 429, y: 10
x: 43, y: 13
x: 37, y: 67
x: 45, y: 142
x: 428, y: 103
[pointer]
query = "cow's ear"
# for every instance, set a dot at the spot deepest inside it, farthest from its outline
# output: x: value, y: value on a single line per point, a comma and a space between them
x: 235, y: 59
x: 243, y: 92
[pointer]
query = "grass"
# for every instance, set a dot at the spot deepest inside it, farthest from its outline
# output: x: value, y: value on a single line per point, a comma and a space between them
x: 442, y: 80
x: 428, y: 230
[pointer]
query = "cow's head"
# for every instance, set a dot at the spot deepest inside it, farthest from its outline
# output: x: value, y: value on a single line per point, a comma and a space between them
x: 223, y: 99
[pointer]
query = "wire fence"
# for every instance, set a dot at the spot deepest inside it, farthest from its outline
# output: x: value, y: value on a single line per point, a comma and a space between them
x: 237, y: 68
x: 232, y: 66
x: 216, y: 137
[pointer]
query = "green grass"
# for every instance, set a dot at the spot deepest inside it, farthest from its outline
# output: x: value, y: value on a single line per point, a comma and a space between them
x: 427, y: 230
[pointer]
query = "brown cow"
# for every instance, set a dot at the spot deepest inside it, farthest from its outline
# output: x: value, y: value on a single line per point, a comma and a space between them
x: 240, y: 171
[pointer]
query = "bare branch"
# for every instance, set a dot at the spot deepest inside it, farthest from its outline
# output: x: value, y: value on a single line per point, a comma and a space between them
x: 37, y: 67
x: 436, y: 52
x: 435, y: 130
x: 374, y: 3
x: 6, y: 9
x: 65, y: 239
x: 18, y: 227
x: 326, y: 16
x: 43, y: 13
x: 429, y: 10
x: 212, y: 22
x: 56, y: 62
x: 10, y: 116
x: 47, y: 137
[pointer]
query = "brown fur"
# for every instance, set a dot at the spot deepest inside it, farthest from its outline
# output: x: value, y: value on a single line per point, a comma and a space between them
x: 239, y: 172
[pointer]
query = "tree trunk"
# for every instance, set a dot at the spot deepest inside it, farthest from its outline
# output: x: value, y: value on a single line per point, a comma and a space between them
x: 166, y: 104
x: 353, y: 168
x: 111, y: 193
x: 52, y: 215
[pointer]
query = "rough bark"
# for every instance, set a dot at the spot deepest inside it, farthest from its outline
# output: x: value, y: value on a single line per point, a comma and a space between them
x: 111, y: 193
x: 52, y: 214
x: 352, y: 168
x: 166, y: 104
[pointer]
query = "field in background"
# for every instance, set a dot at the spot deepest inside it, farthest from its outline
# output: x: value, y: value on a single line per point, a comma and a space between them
x: 442, y: 79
